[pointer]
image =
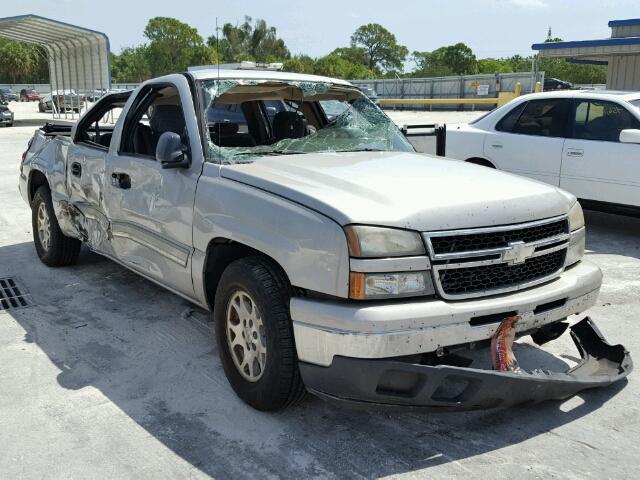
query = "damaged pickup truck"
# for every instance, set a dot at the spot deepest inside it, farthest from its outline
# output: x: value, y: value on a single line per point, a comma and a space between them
x: 333, y: 258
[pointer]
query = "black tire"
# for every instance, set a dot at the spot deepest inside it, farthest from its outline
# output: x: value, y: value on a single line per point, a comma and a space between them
x: 41, y: 108
x: 280, y: 385
x: 482, y: 162
x: 61, y: 250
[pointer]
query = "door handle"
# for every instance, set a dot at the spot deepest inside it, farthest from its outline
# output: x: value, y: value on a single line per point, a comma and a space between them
x: 575, y: 152
x: 121, y: 180
x: 76, y: 169
x: 496, y: 145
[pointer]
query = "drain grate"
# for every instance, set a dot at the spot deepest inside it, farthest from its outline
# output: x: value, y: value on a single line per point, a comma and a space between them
x: 13, y: 295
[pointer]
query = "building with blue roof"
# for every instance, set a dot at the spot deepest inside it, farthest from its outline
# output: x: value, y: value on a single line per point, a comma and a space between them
x: 621, y: 53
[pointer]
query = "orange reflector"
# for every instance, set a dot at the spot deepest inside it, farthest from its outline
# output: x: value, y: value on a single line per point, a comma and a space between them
x: 356, y: 285
x: 353, y: 242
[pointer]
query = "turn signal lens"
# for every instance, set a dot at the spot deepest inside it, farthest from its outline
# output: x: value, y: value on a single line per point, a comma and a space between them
x: 356, y: 285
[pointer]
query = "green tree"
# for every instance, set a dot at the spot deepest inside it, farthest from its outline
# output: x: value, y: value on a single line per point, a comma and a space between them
x: 131, y: 65
x: 334, y: 66
x: 519, y: 63
x: 428, y: 64
x: 357, y: 55
x: 384, y: 53
x: 254, y: 41
x: 494, y: 65
x: 174, y: 45
x: 455, y: 59
x: 22, y: 62
x: 571, y: 72
x: 300, y: 64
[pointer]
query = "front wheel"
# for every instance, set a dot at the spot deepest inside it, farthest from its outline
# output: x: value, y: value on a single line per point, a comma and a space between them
x: 255, y: 336
x: 53, y: 247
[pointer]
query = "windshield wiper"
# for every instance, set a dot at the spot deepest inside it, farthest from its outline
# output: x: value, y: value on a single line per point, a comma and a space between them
x: 281, y: 152
x: 362, y: 150
x: 270, y: 152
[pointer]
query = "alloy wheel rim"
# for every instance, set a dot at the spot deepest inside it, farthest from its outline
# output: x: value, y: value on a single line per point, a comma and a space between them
x: 246, y: 336
x: 44, y: 226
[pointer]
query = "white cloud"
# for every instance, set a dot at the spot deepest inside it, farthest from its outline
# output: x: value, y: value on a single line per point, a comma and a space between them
x: 529, y: 3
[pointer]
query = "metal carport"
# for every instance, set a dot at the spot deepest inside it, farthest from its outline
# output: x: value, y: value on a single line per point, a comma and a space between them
x: 78, y: 57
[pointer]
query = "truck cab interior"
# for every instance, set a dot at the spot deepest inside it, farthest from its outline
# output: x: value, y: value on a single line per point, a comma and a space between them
x: 95, y: 129
x: 264, y: 114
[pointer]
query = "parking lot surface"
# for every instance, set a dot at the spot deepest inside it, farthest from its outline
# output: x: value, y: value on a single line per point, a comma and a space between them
x: 106, y: 375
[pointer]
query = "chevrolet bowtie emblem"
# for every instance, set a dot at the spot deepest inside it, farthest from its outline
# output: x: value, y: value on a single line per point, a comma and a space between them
x: 517, y: 253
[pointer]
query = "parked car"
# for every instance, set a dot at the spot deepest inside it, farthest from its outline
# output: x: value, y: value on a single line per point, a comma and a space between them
x: 29, y: 95
x: 556, y: 84
x: 8, y: 94
x: 332, y: 256
x: 92, y: 95
x: 586, y: 142
x: 6, y: 116
x: 63, y: 100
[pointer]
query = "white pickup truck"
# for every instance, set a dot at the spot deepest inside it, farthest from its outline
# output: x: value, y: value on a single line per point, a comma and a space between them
x: 333, y: 257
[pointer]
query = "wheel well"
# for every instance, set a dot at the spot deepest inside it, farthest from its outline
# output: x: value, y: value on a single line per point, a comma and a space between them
x: 36, y: 179
x: 480, y: 161
x: 221, y: 252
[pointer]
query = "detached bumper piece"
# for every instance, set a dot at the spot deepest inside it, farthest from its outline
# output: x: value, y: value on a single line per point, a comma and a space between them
x: 394, y: 383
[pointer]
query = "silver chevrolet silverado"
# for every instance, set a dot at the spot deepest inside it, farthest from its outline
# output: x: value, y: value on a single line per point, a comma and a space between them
x: 333, y: 257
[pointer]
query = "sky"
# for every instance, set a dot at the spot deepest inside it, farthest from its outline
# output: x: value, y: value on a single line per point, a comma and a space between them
x: 492, y: 28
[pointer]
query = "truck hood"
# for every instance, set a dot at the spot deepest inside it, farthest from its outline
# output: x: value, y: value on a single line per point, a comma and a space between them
x: 405, y: 190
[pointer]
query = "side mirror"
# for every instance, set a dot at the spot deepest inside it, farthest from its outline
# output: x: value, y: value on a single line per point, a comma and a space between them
x: 630, y: 136
x: 170, y: 151
x: 271, y: 111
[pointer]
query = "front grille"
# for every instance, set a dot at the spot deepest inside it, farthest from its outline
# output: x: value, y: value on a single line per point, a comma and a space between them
x: 486, y: 261
x: 484, y: 278
x: 496, y: 239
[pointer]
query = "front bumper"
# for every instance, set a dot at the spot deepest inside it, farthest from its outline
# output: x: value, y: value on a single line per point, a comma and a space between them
x: 327, y: 329
x: 391, y: 382
x: 6, y: 120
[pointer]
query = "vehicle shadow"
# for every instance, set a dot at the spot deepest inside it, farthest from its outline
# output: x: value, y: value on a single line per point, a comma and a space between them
x: 153, y: 356
x: 608, y: 233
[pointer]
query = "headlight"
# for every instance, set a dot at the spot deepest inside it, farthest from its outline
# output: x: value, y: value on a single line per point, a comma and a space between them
x: 576, y: 217
x: 377, y: 242
x: 383, y: 285
x: 575, y: 250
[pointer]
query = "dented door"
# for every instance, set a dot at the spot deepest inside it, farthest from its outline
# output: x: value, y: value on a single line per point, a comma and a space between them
x: 150, y: 209
x: 85, y: 177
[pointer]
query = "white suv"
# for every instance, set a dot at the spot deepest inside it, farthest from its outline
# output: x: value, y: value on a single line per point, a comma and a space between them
x: 585, y: 142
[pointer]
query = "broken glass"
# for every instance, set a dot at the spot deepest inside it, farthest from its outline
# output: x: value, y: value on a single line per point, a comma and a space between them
x: 355, y: 123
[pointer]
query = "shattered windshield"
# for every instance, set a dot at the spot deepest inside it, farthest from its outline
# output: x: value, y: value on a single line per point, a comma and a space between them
x: 247, y: 119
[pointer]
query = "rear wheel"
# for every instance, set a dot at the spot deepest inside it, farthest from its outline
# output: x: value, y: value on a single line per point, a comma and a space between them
x: 255, y: 336
x: 481, y: 161
x: 53, y: 247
